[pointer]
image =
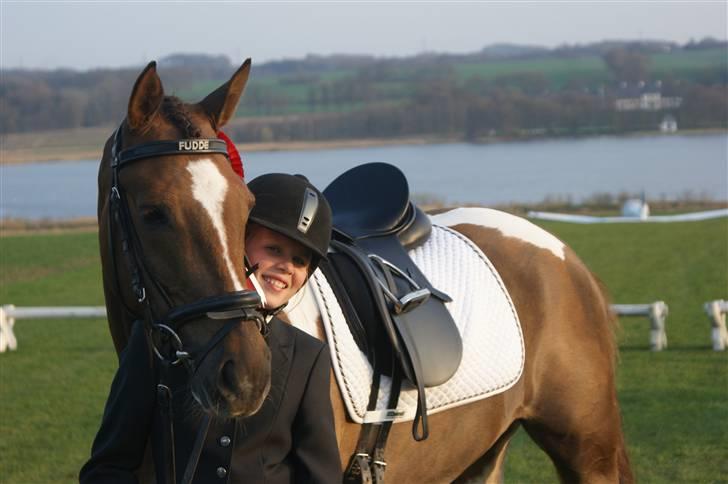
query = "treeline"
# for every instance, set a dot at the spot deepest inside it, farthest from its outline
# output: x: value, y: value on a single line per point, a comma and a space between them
x: 59, y: 99
x: 337, y: 97
x: 445, y: 110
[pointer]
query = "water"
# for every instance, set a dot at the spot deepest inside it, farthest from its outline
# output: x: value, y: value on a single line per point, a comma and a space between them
x: 663, y: 167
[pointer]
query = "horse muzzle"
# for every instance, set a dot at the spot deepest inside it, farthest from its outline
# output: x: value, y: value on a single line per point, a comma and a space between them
x: 229, y: 372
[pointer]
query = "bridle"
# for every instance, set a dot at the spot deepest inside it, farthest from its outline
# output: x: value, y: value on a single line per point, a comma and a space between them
x: 232, y: 306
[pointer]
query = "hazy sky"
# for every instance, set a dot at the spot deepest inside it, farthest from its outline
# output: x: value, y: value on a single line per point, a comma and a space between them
x: 84, y: 35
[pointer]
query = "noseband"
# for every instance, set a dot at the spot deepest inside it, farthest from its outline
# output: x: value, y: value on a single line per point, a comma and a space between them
x: 232, y: 306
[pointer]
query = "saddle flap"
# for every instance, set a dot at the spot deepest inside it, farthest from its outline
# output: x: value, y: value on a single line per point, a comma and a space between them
x: 425, y: 340
x: 368, y: 199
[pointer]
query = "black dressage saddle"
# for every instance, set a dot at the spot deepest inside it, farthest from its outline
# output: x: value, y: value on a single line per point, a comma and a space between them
x: 375, y: 223
x: 398, y: 319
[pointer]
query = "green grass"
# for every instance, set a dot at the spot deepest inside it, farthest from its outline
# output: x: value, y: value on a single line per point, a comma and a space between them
x: 53, y: 387
x: 685, y: 63
x: 674, y: 403
x: 558, y: 71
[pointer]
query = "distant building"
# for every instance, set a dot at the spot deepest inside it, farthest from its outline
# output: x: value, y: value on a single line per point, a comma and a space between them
x: 643, y: 97
x: 668, y: 124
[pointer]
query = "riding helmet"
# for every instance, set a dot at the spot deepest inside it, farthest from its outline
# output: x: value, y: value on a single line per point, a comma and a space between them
x: 292, y: 206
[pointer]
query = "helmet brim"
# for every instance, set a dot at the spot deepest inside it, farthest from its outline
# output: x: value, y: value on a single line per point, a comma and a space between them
x: 292, y: 234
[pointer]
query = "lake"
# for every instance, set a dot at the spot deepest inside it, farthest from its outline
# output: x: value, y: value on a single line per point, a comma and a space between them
x: 669, y: 167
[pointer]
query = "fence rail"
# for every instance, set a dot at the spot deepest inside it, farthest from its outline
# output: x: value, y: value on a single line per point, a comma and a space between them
x: 9, y: 313
x: 656, y: 312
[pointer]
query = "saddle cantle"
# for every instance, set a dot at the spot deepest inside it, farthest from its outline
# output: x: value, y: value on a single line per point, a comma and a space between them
x: 372, y: 200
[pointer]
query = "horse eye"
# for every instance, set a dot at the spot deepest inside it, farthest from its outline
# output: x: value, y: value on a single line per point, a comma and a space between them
x: 154, y: 216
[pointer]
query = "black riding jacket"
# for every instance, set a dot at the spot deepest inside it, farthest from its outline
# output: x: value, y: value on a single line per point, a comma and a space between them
x: 291, y: 439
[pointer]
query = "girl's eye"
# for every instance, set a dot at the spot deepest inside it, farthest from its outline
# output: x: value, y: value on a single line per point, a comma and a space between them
x: 300, y: 262
x: 273, y: 249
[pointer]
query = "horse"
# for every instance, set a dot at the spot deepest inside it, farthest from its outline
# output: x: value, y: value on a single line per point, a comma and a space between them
x: 565, y: 399
x: 172, y: 216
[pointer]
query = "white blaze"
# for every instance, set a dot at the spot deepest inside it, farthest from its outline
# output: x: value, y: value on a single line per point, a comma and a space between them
x: 209, y: 187
x: 509, y: 225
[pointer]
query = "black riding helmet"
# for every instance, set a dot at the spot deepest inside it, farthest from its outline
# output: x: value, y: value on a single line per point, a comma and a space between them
x: 290, y: 205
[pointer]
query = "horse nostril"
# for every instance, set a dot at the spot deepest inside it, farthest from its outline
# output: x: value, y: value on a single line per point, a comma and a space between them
x: 228, y: 378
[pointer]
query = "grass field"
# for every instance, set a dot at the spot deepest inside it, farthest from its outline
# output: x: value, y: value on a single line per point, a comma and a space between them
x: 674, y: 403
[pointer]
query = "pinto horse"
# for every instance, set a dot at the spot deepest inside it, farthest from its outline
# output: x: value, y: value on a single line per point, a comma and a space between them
x: 188, y: 213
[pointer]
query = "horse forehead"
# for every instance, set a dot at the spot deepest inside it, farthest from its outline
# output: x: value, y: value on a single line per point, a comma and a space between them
x: 209, y: 185
x: 509, y: 225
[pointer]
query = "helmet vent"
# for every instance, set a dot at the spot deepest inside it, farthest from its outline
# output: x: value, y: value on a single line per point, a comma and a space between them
x: 308, y: 210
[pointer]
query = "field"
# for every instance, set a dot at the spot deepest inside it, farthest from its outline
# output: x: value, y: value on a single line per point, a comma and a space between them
x: 674, y: 403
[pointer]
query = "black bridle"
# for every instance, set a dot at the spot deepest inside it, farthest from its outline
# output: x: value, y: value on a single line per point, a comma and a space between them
x: 233, y: 306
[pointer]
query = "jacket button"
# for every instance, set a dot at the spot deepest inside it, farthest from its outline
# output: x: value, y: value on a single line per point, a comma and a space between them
x: 224, y: 441
x: 221, y: 472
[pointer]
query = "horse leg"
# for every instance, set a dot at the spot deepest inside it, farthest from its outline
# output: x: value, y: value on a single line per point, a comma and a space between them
x: 489, y: 468
x: 581, y: 457
x: 575, y: 418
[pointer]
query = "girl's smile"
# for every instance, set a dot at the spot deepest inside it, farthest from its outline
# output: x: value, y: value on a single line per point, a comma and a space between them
x: 282, y: 264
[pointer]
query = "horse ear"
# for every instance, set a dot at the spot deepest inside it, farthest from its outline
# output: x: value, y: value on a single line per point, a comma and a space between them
x: 220, y: 104
x: 146, y: 97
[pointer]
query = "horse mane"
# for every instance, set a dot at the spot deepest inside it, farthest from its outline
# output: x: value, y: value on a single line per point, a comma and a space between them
x: 176, y: 112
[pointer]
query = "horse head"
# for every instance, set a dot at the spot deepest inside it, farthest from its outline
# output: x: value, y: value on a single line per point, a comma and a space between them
x: 172, y: 215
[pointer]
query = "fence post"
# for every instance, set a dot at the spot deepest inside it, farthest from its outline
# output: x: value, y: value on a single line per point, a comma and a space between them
x: 656, y: 312
x: 7, y: 336
x: 716, y: 312
x: 657, y: 315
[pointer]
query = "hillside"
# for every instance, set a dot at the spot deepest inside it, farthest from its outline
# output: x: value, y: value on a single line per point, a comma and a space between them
x: 504, y: 91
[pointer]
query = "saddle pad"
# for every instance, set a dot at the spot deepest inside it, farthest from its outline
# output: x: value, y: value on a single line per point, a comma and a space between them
x: 493, y: 352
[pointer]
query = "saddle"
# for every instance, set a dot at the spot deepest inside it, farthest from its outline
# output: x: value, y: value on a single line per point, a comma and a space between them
x: 398, y: 319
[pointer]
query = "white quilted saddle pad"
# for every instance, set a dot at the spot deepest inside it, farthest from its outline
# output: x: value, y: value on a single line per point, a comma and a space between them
x: 493, y: 353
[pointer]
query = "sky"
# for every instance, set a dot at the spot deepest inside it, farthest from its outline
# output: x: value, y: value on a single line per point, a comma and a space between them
x: 91, y: 34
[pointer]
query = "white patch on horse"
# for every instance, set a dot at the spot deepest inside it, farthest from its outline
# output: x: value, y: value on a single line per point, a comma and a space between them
x: 209, y: 187
x: 509, y: 225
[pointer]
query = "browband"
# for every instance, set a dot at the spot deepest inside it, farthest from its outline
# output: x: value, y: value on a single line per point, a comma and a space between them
x: 176, y: 147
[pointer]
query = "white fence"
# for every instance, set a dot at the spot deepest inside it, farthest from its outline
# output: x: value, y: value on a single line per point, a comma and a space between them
x: 589, y: 219
x: 656, y: 312
x: 9, y: 313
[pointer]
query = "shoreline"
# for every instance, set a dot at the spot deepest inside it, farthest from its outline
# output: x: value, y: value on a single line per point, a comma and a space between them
x: 21, y: 156
x: 26, y: 148
x: 17, y: 226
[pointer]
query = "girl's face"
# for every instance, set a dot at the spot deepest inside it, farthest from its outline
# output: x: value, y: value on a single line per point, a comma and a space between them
x: 282, y: 264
